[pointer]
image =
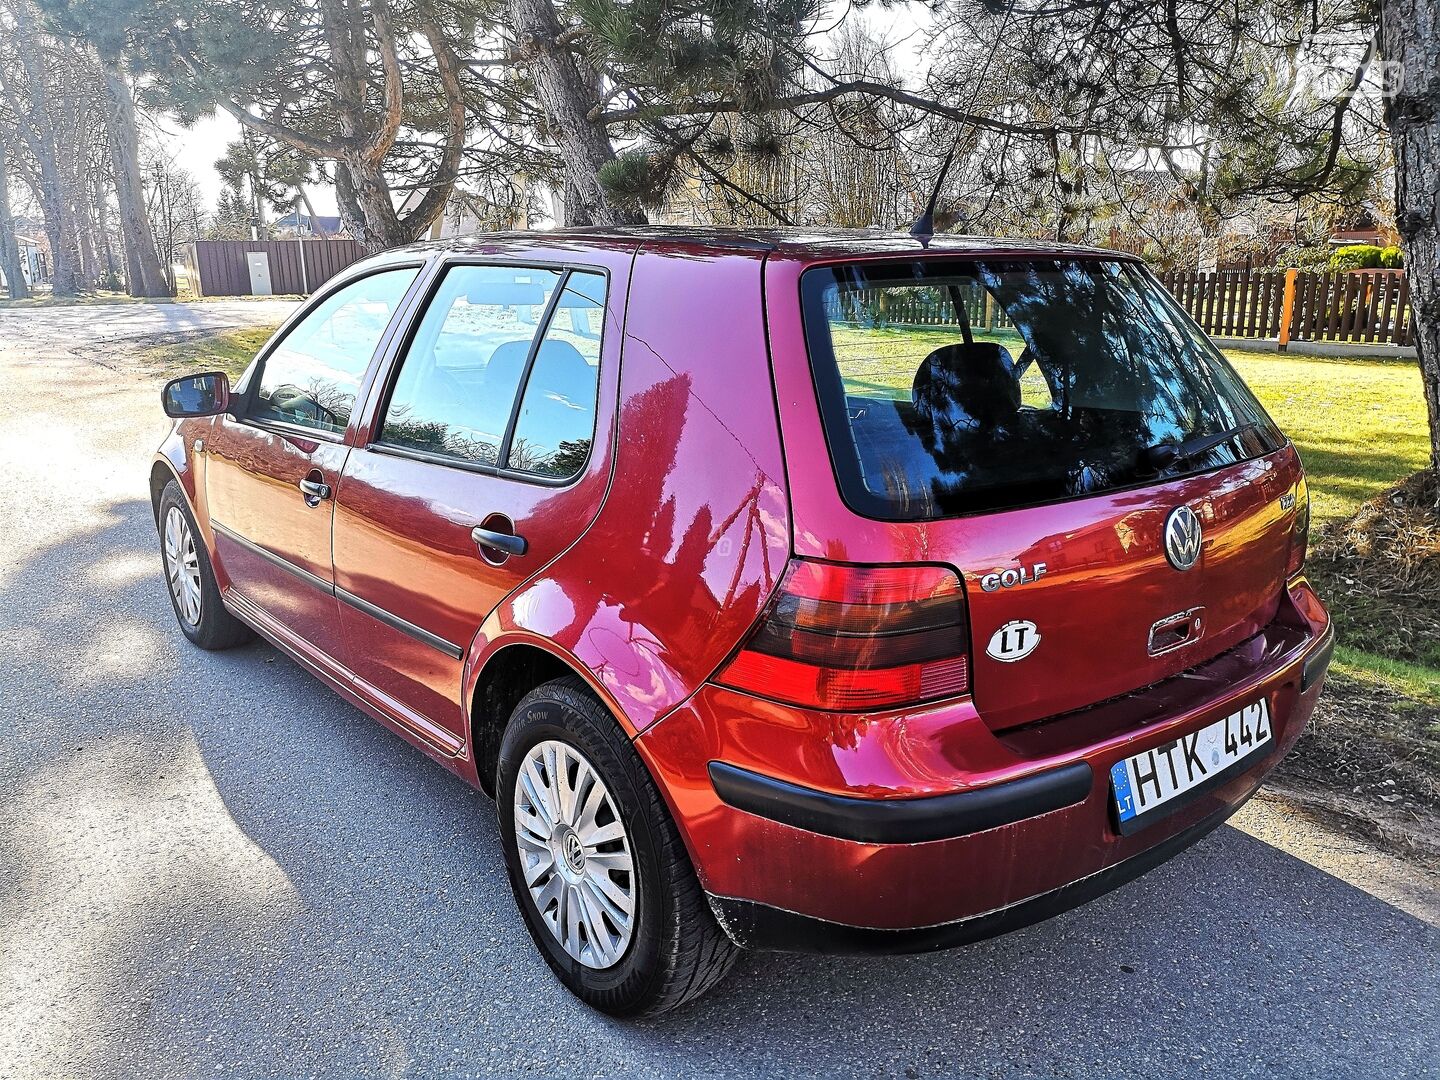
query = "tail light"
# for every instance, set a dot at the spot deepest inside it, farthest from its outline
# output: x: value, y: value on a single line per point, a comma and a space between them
x: 1300, y: 530
x: 850, y: 638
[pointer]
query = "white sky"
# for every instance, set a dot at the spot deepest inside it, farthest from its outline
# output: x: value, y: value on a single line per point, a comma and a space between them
x: 196, y: 149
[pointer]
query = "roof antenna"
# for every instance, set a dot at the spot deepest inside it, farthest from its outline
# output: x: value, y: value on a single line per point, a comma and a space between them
x: 924, y: 227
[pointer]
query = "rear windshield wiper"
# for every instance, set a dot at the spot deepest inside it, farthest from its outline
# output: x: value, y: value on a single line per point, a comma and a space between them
x: 1163, y: 455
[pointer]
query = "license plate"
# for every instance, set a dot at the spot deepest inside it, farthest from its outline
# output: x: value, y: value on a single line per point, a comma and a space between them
x: 1147, y: 785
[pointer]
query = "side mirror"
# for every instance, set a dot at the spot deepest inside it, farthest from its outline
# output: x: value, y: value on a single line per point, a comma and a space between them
x: 197, y: 395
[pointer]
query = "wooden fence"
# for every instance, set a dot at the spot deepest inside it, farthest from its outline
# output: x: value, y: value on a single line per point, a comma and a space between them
x: 1366, y: 307
x: 1363, y: 306
x: 922, y: 307
x: 218, y: 267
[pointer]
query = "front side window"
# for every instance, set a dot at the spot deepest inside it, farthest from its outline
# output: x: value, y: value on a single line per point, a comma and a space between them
x: 952, y: 387
x: 312, y: 376
x: 458, y: 383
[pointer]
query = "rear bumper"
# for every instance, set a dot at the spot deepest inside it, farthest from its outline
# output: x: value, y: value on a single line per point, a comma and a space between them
x: 759, y: 926
x: 922, y: 830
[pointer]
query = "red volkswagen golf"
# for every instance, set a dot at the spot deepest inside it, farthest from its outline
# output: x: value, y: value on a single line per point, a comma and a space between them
x: 799, y: 591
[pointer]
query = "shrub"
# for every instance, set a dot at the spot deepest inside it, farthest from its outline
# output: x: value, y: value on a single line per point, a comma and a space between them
x: 1355, y: 257
x: 1303, y: 258
x: 1391, y: 258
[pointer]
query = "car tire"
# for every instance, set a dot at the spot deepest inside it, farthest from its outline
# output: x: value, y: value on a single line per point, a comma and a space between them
x: 190, y: 579
x: 675, y: 950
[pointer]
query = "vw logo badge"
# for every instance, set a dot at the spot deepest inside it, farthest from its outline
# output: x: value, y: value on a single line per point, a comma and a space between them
x: 574, y: 853
x: 1182, y: 538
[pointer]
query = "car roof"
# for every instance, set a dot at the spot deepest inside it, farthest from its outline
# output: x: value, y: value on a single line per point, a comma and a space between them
x: 802, y: 243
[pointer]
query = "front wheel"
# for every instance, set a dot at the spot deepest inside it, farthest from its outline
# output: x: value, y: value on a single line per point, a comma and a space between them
x: 596, y: 863
x: 194, y: 594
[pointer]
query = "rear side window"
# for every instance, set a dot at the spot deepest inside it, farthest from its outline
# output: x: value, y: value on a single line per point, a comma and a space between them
x: 958, y: 387
x: 557, y: 415
x: 312, y: 376
x: 458, y: 382
x: 503, y: 369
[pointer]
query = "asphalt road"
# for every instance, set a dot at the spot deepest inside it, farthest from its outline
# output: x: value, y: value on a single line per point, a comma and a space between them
x: 84, y: 326
x: 211, y: 866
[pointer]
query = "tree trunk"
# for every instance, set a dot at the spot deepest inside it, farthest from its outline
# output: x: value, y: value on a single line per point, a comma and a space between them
x: 309, y: 209
x: 147, y: 276
x: 59, y: 231
x: 15, y: 284
x: 37, y: 128
x: 85, y: 236
x: 367, y: 206
x: 102, y: 225
x: 567, y: 100
x: 1410, y: 42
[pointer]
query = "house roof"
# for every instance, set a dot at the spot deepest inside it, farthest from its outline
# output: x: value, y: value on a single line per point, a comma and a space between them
x: 319, y: 223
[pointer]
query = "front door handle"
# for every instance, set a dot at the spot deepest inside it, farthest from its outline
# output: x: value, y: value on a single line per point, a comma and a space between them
x: 315, y: 491
x: 509, y: 543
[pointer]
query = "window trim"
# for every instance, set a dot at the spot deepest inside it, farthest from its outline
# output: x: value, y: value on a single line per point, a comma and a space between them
x: 829, y: 389
x: 401, y: 348
x: 244, y: 414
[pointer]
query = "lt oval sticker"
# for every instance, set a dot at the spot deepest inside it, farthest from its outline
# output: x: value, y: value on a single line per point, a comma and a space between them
x: 1013, y: 641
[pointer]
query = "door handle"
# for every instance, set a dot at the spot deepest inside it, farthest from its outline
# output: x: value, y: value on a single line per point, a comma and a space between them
x: 315, y: 491
x: 509, y: 543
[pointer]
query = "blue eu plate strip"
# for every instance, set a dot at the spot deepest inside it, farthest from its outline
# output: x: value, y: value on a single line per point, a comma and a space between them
x: 1120, y: 777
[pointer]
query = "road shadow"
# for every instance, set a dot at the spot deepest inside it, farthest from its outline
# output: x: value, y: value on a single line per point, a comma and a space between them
x: 221, y: 865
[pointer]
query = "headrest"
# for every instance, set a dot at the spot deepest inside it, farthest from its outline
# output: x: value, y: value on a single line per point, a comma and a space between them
x: 506, y: 366
x: 559, y: 368
x: 964, y: 385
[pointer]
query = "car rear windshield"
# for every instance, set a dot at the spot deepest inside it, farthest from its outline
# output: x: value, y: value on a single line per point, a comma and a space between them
x: 950, y: 387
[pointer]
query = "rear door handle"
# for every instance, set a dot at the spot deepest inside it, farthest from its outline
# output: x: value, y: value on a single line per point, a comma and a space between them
x: 509, y: 543
x: 315, y: 491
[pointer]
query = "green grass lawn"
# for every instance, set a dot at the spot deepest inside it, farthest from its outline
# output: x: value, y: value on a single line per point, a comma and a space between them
x: 228, y: 351
x: 1360, y: 424
x: 101, y: 296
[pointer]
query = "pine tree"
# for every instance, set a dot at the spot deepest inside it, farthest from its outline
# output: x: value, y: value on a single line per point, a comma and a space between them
x: 231, y: 220
x: 639, y: 97
x: 337, y: 81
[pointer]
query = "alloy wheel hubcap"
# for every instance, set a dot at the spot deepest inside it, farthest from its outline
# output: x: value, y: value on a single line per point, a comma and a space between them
x: 575, y: 854
x: 182, y: 566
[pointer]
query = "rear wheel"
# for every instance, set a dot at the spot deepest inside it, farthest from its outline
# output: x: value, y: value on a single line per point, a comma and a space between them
x: 596, y: 863
x: 194, y: 594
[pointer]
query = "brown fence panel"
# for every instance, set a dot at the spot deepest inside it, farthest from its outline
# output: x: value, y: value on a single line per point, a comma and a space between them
x: 1345, y: 310
x: 1403, y: 313
x: 1314, y: 285
x: 1264, y: 316
x: 222, y: 269
x: 1387, y: 310
x: 1240, y: 308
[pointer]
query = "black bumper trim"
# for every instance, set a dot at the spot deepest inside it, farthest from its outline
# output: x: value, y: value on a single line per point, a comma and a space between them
x: 759, y: 926
x: 901, y: 821
x: 1318, y: 662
